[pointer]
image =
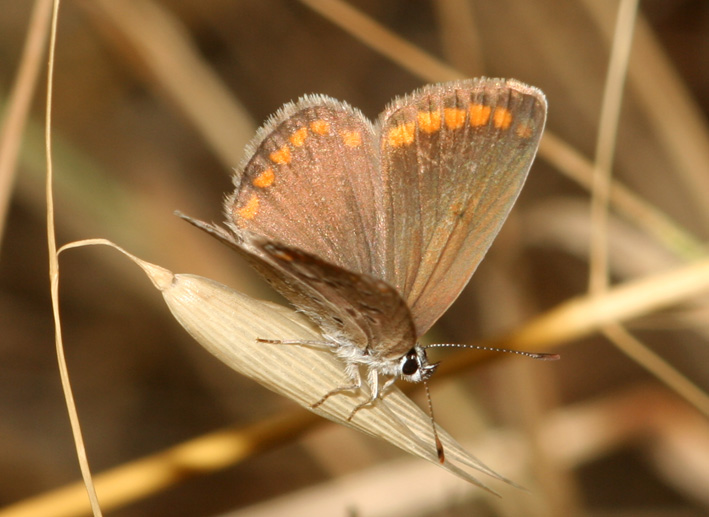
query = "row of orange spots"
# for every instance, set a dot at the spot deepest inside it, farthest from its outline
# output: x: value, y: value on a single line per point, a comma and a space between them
x: 283, y: 156
x: 454, y: 118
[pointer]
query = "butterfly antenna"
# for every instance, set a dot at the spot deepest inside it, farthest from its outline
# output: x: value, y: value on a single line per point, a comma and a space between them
x: 532, y: 355
x: 439, y: 445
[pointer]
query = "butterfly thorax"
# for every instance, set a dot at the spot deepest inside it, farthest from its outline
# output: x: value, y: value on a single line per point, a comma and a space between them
x: 413, y: 366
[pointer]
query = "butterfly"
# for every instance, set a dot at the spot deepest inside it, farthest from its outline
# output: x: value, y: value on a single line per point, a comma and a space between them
x: 373, y: 229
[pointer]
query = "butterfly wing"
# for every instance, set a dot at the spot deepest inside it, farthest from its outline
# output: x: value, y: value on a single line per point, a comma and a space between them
x: 454, y: 158
x: 362, y: 309
x: 306, y: 212
x: 415, y: 202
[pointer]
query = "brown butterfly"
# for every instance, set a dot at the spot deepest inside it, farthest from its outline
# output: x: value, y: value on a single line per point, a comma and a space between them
x: 373, y: 230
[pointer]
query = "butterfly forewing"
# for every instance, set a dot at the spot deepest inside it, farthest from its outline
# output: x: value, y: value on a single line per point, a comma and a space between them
x: 453, y: 158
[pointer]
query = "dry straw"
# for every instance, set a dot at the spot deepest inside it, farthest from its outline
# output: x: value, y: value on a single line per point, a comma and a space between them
x: 228, y: 323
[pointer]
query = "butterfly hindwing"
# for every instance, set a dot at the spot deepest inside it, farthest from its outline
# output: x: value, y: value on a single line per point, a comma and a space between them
x: 367, y: 311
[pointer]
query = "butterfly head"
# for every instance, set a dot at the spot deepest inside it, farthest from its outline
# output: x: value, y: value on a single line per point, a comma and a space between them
x: 414, y: 366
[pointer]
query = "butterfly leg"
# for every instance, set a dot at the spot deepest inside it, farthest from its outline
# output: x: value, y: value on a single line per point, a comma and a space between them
x: 353, y: 373
x: 373, y: 381
x: 313, y: 343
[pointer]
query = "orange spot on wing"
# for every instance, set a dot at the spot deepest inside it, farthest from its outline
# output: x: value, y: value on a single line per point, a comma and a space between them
x: 352, y: 138
x: 429, y: 121
x: 281, y: 156
x: 298, y: 138
x: 479, y: 114
x: 454, y: 117
x: 403, y: 134
x: 250, y: 209
x: 320, y: 127
x: 502, y: 118
x: 265, y: 179
x: 524, y: 131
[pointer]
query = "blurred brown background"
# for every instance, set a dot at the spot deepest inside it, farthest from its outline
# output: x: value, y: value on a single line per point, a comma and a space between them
x: 154, y: 101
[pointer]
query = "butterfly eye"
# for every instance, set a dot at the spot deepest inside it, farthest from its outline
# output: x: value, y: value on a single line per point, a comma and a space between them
x: 411, y: 365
